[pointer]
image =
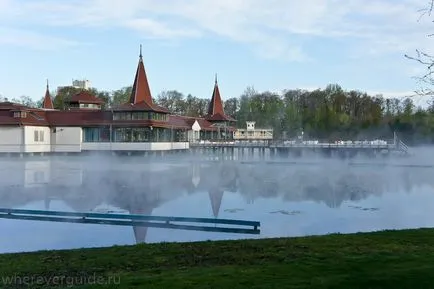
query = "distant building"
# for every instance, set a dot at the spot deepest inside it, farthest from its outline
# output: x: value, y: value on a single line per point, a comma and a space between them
x: 83, y: 84
x: 252, y: 133
x: 80, y: 84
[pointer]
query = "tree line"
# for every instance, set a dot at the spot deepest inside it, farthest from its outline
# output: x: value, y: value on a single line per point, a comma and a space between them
x: 326, y: 114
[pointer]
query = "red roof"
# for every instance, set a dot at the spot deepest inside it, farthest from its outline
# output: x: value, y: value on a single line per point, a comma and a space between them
x: 141, y: 91
x: 48, y: 102
x: 35, y: 117
x: 215, y: 108
x: 218, y: 117
x: 7, y: 105
x: 86, y: 97
x: 41, y: 117
x: 78, y: 117
x: 141, y: 106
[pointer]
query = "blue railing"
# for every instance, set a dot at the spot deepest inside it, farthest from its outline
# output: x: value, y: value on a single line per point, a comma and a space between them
x: 132, y: 220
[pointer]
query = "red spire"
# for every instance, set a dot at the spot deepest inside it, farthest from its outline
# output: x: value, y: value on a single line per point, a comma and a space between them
x: 141, y: 91
x: 48, y: 102
x: 216, y: 105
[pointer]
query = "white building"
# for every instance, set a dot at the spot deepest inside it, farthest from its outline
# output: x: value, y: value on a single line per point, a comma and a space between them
x: 80, y: 84
x: 252, y: 133
x: 83, y: 84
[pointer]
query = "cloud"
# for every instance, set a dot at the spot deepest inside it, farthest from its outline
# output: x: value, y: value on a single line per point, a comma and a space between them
x: 274, y: 28
x: 155, y: 29
x: 29, y: 39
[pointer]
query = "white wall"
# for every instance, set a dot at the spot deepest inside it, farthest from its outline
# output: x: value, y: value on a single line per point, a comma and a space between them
x: 69, y: 139
x: 144, y: 146
x: 194, y: 134
x: 196, y: 126
x: 11, y: 139
x: 66, y: 139
x: 36, y: 139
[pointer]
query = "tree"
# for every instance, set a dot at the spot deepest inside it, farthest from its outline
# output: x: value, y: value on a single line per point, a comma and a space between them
x: 425, y: 58
x: 121, y: 96
x: 172, y: 100
x: 64, y: 95
x: 231, y: 106
x: 25, y: 100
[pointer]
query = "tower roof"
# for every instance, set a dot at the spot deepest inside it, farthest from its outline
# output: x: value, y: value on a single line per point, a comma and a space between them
x: 215, y: 107
x: 48, y: 102
x: 141, y: 91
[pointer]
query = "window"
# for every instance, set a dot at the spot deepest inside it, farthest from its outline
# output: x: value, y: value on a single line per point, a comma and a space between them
x: 96, y: 134
x: 36, y: 136
x: 41, y: 135
x: 21, y: 114
x: 122, y: 116
x: 140, y: 115
x: 158, y: 116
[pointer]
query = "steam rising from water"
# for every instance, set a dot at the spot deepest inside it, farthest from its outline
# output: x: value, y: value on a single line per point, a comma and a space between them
x: 290, y: 196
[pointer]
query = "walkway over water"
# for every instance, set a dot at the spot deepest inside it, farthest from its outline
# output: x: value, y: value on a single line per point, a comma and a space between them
x: 280, y: 147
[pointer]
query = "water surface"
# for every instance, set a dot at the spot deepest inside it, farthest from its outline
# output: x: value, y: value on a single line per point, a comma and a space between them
x: 308, y: 198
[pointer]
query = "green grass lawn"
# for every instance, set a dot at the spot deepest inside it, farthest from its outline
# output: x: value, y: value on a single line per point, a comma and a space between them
x: 388, y: 259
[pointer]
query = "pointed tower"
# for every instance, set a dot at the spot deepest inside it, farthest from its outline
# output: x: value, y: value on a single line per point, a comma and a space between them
x: 215, y: 196
x: 216, y: 106
x: 216, y: 112
x: 48, y: 102
x: 141, y: 91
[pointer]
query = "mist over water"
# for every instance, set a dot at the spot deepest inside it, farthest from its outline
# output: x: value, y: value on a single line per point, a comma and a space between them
x: 289, y: 196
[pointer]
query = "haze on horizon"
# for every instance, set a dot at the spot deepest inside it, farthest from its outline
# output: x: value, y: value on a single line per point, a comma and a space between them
x: 273, y: 46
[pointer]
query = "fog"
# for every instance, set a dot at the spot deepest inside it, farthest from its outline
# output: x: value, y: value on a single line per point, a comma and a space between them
x: 291, y: 196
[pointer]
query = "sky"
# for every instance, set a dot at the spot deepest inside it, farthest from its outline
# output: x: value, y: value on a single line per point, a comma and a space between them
x: 271, y: 45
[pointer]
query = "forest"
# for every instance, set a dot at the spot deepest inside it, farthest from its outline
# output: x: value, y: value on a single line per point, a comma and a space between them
x: 328, y: 114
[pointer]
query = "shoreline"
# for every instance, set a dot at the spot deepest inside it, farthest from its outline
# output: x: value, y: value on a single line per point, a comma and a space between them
x: 382, y: 259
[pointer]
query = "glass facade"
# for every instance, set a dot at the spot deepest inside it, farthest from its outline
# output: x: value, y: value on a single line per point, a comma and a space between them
x: 96, y: 134
x: 138, y: 134
x: 138, y: 115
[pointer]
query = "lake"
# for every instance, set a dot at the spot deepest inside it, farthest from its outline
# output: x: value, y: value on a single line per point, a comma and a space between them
x: 297, y: 198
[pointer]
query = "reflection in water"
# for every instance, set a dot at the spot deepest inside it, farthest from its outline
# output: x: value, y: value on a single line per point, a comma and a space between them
x: 255, y: 192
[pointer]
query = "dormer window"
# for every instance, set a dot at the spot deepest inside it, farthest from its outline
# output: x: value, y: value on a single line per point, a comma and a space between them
x: 20, y: 114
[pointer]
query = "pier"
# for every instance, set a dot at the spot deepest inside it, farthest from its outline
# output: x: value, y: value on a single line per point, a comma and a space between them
x: 269, y: 149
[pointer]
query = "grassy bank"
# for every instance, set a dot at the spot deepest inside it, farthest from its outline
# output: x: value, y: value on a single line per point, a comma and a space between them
x: 389, y: 259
